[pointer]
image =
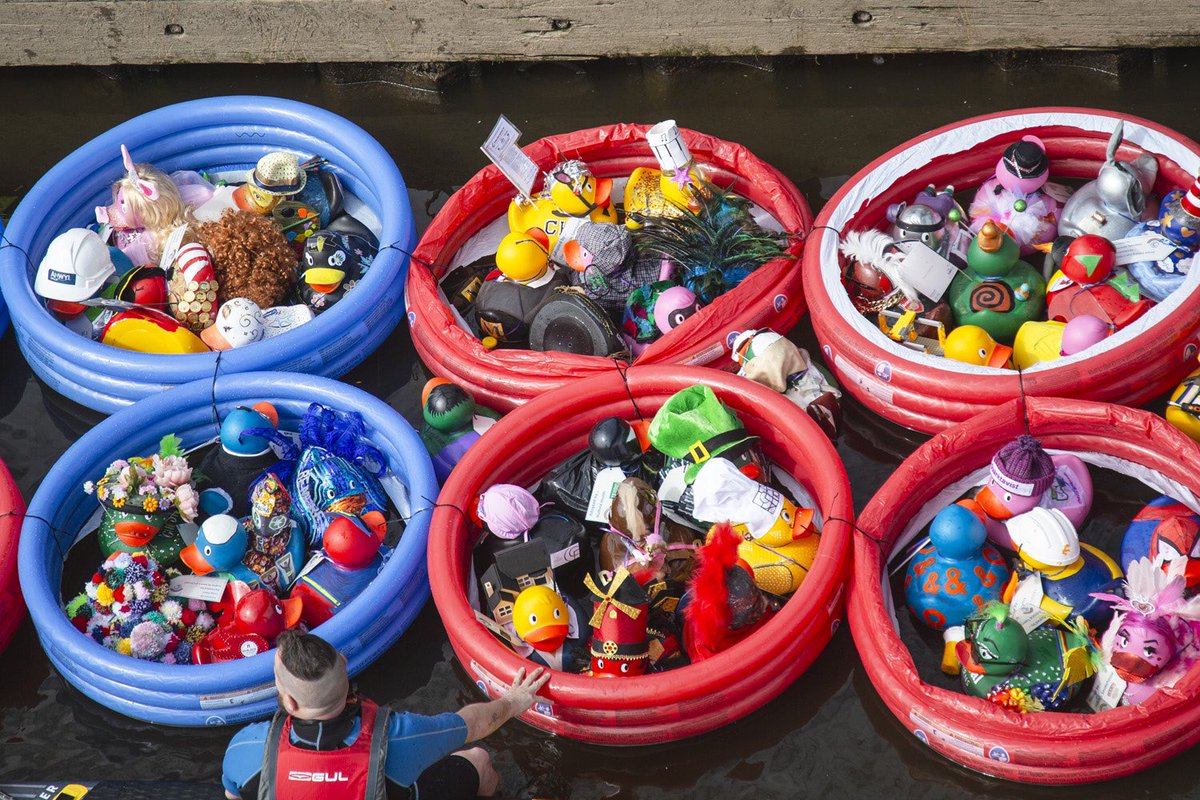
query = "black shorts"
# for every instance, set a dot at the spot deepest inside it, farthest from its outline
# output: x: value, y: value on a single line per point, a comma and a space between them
x: 452, y: 778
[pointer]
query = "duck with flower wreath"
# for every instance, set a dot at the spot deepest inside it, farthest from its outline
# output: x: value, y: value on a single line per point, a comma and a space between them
x: 144, y: 500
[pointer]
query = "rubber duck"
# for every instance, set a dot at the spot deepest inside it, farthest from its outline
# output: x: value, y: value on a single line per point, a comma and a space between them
x: 613, y: 444
x: 779, y: 540
x: 767, y: 358
x: 1016, y: 198
x: 956, y: 573
x: 1088, y: 282
x: 1183, y: 408
x: 524, y: 257
x: 145, y: 330
x: 723, y: 605
x: 327, y: 483
x: 1022, y: 475
x: 935, y: 220
x: 651, y: 545
x: 1067, y: 571
x: 998, y: 292
x: 257, y: 619
x: 605, y: 265
x: 668, y: 190
x: 1116, y: 200
x: 1178, y: 221
x: 541, y: 619
x: 453, y: 423
x: 350, y: 557
x: 971, y: 344
x: 1165, y: 530
x: 1046, y: 341
x: 1037, y: 671
x: 262, y: 550
x: 241, y: 456
x: 620, y: 645
x: 332, y: 264
x: 570, y: 195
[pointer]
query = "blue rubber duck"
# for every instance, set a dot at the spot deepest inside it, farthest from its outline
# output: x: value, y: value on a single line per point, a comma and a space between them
x: 264, y: 549
x: 957, y: 573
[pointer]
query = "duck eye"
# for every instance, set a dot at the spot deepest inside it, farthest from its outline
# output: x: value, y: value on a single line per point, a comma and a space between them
x: 1008, y: 497
x: 1150, y: 650
x: 599, y: 663
x: 558, y: 613
x: 208, y: 550
x: 533, y: 619
x: 625, y: 667
x: 983, y: 352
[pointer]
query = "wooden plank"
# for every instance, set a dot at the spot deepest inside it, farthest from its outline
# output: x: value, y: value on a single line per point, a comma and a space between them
x: 99, y: 32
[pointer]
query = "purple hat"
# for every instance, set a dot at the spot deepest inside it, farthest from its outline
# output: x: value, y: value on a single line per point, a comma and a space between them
x: 1023, y: 467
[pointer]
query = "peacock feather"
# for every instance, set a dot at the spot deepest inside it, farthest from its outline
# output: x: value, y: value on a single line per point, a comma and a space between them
x: 716, y: 246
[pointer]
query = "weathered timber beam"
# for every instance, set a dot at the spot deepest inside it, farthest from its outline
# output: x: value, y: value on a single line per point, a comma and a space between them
x: 99, y: 32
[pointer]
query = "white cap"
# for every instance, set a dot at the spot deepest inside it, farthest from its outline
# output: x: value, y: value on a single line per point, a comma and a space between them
x: 724, y: 494
x: 219, y: 528
x: 751, y: 343
x: 1046, y: 536
x: 667, y: 143
x: 76, y: 266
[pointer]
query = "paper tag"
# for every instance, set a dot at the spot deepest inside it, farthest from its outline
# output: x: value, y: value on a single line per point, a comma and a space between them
x: 1057, y: 191
x: 171, y: 248
x: 1026, y: 605
x: 926, y: 271
x: 1107, y: 689
x: 501, y: 148
x: 565, y: 556
x: 208, y: 588
x: 1143, y: 247
x: 604, y: 489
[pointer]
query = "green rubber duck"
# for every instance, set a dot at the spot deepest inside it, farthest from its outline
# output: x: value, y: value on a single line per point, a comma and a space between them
x: 1037, y: 671
x: 997, y: 291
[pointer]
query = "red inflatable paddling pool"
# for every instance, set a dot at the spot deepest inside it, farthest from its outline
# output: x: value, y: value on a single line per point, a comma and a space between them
x: 1047, y: 747
x: 12, y: 511
x: 686, y: 701
x: 929, y: 393
x: 502, y: 379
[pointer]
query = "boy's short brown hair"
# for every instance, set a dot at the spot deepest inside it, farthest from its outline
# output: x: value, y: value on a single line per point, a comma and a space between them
x: 306, y: 656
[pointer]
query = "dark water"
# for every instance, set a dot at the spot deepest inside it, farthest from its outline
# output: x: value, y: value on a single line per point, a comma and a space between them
x: 829, y: 735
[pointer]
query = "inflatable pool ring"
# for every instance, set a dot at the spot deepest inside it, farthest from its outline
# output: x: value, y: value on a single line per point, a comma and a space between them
x: 237, y: 691
x: 1037, y: 748
x: 224, y: 135
x: 3, y: 307
x: 682, y: 702
x: 502, y: 379
x: 12, y: 510
x: 929, y: 393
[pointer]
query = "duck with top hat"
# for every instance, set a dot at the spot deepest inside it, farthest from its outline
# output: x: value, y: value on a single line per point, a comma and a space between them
x: 1018, y: 198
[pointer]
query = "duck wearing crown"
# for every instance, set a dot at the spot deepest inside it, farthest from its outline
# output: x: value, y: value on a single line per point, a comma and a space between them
x: 571, y: 194
x: 997, y: 292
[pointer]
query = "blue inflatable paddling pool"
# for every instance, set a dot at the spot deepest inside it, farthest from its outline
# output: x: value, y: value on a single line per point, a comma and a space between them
x: 62, y: 514
x: 222, y: 135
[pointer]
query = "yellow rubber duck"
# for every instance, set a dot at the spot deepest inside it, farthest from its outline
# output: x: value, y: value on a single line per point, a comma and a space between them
x: 653, y: 193
x: 781, y: 557
x: 573, y: 194
x: 973, y: 345
x: 1037, y: 342
x: 524, y: 256
x: 540, y: 618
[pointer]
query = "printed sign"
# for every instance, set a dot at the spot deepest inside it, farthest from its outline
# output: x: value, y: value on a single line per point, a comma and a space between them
x: 604, y: 489
x: 208, y: 588
x: 927, y: 272
x: 1146, y: 247
x: 501, y: 148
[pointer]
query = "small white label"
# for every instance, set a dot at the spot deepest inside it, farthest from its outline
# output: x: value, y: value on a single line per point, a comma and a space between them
x: 501, y: 148
x: 926, y: 271
x: 1057, y: 191
x: 1107, y: 689
x: 1143, y: 247
x: 208, y: 588
x: 248, y: 649
x: 564, y: 556
x: 1026, y: 605
x: 171, y: 248
x: 603, y: 491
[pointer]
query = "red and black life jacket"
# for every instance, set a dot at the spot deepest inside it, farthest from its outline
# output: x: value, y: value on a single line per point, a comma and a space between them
x: 355, y: 772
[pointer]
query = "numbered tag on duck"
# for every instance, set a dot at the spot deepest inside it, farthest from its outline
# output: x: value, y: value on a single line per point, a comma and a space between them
x: 501, y: 148
x: 1026, y: 604
x: 604, y: 489
x: 1107, y: 689
x: 1144, y: 247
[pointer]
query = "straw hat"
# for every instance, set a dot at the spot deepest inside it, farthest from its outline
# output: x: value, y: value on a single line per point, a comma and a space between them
x: 279, y: 174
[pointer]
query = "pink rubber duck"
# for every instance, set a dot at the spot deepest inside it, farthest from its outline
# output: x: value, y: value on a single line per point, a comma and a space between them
x: 1023, y: 476
x: 1018, y: 198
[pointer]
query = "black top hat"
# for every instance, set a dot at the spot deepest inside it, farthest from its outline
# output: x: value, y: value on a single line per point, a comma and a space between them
x: 1025, y: 159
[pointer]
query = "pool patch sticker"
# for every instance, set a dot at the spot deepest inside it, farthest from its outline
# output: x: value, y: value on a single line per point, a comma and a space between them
x: 779, y: 302
x: 730, y: 338
x: 883, y: 370
x: 955, y: 740
x: 865, y: 380
x: 1189, y: 351
x: 998, y: 753
x: 412, y: 318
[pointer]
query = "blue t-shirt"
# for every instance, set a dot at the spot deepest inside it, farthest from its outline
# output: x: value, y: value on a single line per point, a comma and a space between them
x: 415, y: 742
